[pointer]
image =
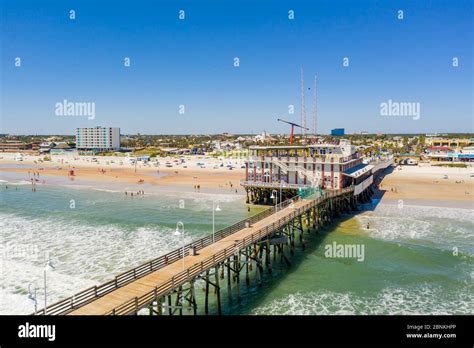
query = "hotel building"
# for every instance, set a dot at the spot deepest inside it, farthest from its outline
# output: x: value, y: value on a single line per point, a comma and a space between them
x: 98, y: 139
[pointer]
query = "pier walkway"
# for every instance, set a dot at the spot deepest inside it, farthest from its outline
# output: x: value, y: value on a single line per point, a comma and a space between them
x: 149, y: 284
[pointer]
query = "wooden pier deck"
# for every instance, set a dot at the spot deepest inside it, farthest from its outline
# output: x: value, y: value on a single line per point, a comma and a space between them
x: 144, y: 285
x: 232, y: 248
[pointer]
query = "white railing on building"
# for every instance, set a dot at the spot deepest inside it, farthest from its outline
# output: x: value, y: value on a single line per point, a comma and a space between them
x: 302, y: 172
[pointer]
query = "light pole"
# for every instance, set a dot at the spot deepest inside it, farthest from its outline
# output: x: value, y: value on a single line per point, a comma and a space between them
x: 32, y: 297
x: 178, y: 233
x: 273, y: 196
x: 48, y: 267
x: 214, y: 209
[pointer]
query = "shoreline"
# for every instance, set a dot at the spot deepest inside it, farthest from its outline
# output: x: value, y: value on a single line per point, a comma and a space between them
x: 416, y: 185
x: 429, y: 204
x: 179, y: 178
x: 427, y: 186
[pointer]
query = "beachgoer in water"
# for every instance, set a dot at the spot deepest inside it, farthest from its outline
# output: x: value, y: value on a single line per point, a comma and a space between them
x: 368, y: 225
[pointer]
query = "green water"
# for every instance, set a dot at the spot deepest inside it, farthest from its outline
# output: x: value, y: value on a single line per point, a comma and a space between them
x: 408, y: 266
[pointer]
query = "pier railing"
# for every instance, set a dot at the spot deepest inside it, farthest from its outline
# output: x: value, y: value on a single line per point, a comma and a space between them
x: 139, y: 302
x: 90, y: 294
x: 275, y: 184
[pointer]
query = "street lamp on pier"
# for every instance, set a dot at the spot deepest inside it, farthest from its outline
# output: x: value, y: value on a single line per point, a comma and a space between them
x: 179, y: 225
x: 214, y: 209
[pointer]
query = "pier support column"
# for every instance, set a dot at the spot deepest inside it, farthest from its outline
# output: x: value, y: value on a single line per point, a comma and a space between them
x: 237, y: 273
x: 258, y: 256
x: 229, y: 285
x: 170, y: 311
x: 267, y: 257
x: 193, y: 297
x: 247, y: 261
x: 180, y: 300
x: 218, y: 291
x: 206, y: 299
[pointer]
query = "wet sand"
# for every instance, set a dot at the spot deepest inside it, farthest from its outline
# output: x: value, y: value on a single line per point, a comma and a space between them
x: 427, y: 185
x: 192, y: 179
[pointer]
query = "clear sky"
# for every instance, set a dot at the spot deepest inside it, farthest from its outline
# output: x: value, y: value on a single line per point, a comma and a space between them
x: 191, y: 62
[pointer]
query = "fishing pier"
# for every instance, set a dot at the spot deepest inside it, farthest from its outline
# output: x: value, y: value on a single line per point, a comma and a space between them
x: 167, y: 284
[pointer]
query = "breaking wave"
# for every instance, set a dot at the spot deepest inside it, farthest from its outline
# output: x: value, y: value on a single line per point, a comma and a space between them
x: 427, y: 300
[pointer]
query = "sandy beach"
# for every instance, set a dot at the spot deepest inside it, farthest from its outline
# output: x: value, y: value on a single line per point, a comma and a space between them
x: 424, y: 184
x: 209, y: 176
x: 429, y: 185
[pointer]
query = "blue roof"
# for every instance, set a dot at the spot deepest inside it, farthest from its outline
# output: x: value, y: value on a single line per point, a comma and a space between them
x: 355, y: 168
x: 358, y: 170
x: 466, y: 155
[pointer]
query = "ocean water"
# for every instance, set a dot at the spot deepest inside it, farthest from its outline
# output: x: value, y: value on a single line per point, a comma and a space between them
x: 92, y: 235
x: 417, y: 260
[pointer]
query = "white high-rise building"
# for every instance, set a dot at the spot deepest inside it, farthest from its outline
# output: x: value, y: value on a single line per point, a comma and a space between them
x: 98, y: 138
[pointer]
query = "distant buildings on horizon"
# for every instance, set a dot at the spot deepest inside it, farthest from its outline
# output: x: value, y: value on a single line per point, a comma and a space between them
x: 98, y: 139
x: 337, y: 132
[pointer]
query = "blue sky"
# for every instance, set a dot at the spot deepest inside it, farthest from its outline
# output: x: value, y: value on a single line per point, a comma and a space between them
x: 190, y: 63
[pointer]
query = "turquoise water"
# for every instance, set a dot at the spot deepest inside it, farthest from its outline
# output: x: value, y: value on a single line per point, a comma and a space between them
x: 409, y: 263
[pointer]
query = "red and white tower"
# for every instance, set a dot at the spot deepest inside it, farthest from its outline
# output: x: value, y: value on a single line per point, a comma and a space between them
x: 303, y: 107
